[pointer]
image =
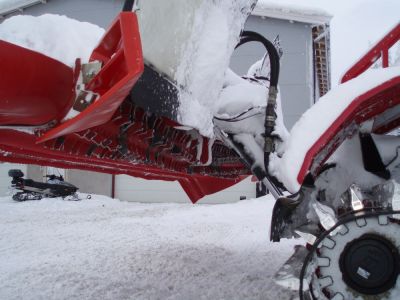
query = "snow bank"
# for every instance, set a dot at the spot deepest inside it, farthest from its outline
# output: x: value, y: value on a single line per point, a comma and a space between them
x: 56, y: 36
x: 317, y: 120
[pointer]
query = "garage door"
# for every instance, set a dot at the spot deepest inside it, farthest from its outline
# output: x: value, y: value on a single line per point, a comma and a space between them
x: 129, y: 188
x: 4, y: 179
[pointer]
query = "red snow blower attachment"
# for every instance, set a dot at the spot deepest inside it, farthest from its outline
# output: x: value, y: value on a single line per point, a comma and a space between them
x: 87, y: 118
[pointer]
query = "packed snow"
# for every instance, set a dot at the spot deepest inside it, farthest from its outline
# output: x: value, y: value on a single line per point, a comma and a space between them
x: 56, y: 36
x: 319, y: 118
x: 107, y: 249
x: 205, y: 59
x: 234, y: 100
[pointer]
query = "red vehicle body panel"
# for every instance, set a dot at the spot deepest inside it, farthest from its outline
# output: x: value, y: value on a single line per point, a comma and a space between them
x: 365, y: 107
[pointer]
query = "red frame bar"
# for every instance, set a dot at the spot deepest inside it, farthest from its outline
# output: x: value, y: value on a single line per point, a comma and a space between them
x: 20, y: 147
x: 381, y: 49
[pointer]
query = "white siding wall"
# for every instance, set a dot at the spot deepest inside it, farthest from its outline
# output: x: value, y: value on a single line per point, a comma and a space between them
x: 129, y: 188
x: 4, y: 179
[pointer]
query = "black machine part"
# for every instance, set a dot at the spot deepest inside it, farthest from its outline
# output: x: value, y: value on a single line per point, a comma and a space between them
x: 156, y: 93
x: 15, y: 173
x: 370, y: 264
x: 372, y: 160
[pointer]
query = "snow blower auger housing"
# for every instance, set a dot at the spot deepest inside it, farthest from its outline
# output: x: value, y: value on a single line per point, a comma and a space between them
x: 335, y: 177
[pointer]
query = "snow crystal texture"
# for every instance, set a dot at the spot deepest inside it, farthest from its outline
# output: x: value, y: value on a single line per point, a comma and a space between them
x: 56, y: 36
x: 205, y: 59
x: 107, y: 249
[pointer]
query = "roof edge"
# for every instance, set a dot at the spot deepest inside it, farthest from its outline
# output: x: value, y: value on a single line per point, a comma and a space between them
x: 292, y: 13
x: 19, y: 6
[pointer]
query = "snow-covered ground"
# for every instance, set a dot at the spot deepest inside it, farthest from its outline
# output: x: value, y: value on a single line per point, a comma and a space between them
x: 107, y: 249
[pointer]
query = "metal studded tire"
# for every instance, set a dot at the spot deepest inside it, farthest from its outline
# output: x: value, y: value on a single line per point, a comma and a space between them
x: 358, y: 259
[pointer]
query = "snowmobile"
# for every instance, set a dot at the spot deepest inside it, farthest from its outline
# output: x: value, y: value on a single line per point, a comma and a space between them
x: 33, y: 190
x: 335, y: 178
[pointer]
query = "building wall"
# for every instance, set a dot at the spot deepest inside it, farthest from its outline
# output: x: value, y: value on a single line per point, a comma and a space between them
x: 100, y: 12
x: 36, y: 173
x: 296, y: 81
x: 90, y: 182
x: 140, y: 190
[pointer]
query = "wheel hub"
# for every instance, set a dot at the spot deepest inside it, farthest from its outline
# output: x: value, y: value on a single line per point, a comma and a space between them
x: 370, y: 264
x: 359, y: 258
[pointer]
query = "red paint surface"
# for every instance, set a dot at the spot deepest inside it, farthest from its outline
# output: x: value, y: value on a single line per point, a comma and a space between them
x: 34, y: 89
x: 21, y: 147
x: 363, y: 108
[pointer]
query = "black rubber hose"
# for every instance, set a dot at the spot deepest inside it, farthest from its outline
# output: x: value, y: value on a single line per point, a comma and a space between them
x: 251, y: 36
x: 270, y: 115
x: 128, y: 5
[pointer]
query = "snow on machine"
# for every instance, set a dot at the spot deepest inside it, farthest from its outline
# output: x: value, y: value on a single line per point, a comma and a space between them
x: 28, y: 189
x: 157, y: 101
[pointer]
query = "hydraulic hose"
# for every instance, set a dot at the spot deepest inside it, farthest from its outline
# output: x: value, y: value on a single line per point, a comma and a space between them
x: 270, y: 114
x: 251, y: 36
